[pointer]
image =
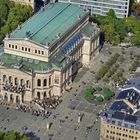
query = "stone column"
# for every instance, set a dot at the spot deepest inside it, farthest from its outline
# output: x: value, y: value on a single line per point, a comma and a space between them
x: 8, y: 95
x: 20, y: 98
x: 41, y: 95
x: 14, y: 96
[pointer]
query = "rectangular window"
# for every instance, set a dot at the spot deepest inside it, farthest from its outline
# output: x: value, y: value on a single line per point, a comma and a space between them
x: 38, y: 51
x: 22, y: 48
x: 9, y: 45
x: 25, y: 49
x: 113, y: 122
x: 35, y: 51
x: 56, y: 79
x: 16, y: 47
x: 42, y: 52
x: 12, y: 46
x: 132, y: 126
x: 119, y: 123
x: 49, y: 80
x: 28, y: 49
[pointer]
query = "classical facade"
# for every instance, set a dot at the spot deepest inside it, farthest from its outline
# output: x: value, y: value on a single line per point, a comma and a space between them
x: 101, y: 7
x: 43, y: 55
x: 122, y: 120
x: 32, y: 3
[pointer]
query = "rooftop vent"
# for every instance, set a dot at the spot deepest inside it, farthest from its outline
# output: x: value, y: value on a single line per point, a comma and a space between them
x: 78, y: 16
x: 58, y: 35
x: 28, y: 33
x: 47, y: 44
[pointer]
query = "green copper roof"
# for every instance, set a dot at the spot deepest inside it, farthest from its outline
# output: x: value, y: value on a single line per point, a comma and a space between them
x: 89, y: 30
x: 27, y: 64
x: 44, y: 27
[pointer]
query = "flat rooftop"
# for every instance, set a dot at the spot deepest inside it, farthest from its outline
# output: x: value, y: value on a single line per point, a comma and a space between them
x: 48, y: 23
x: 134, y: 82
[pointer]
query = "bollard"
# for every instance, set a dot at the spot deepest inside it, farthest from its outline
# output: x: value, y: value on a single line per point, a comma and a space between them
x: 48, y: 126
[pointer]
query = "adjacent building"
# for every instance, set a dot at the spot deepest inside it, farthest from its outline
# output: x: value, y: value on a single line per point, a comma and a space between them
x: 122, y: 120
x: 42, y: 56
x: 101, y: 7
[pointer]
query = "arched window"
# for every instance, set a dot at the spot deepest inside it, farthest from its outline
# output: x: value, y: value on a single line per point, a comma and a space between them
x: 22, y: 82
x: 16, y: 81
x: 28, y: 84
x: 45, y: 95
x: 10, y: 79
x: 11, y: 98
x: 45, y: 82
x: 4, y: 78
x: 17, y: 99
x: 6, y: 97
x: 38, y: 95
x: 38, y: 82
x: 50, y: 93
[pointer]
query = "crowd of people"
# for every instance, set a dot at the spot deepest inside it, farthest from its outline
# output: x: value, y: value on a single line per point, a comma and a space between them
x: 14, y: 88
x: 49, y: 103
x: 43, y: 109
x: 34, y: 112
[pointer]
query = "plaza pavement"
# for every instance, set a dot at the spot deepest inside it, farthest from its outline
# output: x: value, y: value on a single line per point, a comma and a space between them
x: 64, y: 119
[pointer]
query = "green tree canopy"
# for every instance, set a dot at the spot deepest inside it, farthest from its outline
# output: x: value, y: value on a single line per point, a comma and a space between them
x: 116, y: 30
x: 11, y: 16
x: 11, y: 135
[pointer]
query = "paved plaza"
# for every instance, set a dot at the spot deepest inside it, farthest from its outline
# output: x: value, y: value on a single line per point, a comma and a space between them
x: 64, y: 119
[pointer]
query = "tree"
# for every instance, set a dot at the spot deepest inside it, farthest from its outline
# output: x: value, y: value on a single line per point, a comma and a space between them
x: 116, y: 39
x: 111, y: 14
x: 11, y: 135
x: 1, y: 135
x: 107, y: 93
x: 24, y: 137
x: 133, y: 4
x: 109, y: 31
x: 11, y: 16
x: 99, y: 99
x: 116, y: 30
x: 137, y: 10
x: 89, y: 93
x: 135, y: 39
